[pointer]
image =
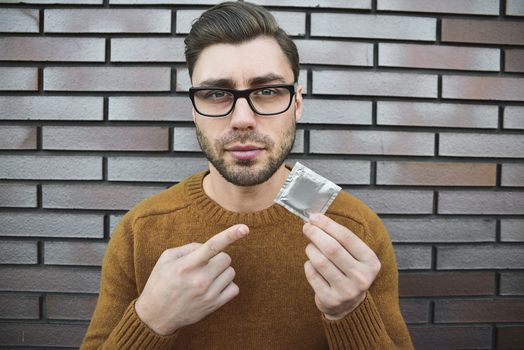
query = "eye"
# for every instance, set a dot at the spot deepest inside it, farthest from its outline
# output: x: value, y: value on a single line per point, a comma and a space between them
x: 216, y: 94
x: 266, y: 92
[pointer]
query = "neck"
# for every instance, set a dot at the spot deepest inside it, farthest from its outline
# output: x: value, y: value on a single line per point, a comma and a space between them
x: 243, y: 199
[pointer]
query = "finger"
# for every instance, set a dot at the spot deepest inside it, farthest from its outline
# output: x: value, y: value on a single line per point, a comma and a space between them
x: 349, y: 240
x: 222, y: 281
x: 217, y: 264
x: 178, y: 252
x: 330, y: 247
x: 218, y: 243
x: 333, y: 276
x: 315, y: 280
x: 227, y: 294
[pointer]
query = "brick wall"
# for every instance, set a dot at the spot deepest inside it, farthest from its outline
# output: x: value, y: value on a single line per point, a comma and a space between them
x: 416, y: 106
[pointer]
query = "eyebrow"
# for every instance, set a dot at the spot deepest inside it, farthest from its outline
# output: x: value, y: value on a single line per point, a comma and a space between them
x: 228, y: 83
x: 268, y: 78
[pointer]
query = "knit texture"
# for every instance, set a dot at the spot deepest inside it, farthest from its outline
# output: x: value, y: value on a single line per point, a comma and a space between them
x: 275, y: 308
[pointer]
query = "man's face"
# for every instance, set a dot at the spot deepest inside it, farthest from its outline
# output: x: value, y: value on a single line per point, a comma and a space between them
x: 245, y: 148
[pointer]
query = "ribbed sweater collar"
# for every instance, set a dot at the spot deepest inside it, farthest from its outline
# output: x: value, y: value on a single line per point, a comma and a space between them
x: 211, y: 211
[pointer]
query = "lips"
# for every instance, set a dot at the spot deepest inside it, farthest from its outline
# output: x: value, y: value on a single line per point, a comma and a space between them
x: 243, y: 152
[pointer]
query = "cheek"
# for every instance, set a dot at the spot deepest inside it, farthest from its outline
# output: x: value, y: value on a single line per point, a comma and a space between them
x: 211, y: 129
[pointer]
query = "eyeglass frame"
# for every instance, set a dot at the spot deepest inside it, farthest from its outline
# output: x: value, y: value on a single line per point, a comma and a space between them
x: 245, y: 94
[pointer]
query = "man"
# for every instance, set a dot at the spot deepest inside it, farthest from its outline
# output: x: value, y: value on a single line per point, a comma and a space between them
x: 213, y: 263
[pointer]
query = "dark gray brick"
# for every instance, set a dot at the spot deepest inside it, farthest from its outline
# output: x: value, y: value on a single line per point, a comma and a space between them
x: 70, y: 2
x: 415, y: 311
x: 514, y: 8
x: 107, y: 21
x: 18, y: 78
x: 482, y: 88
x: 167, y: 169
x: 70, y: 307
x: 61, y: 49
x: 478, y: 7
x: 113, y: 221
x: 338, y: 82
x: 396, y: 201
x: 438, y: 57
x: 317, y: 111
x: 51, y: 167
x: 481, y: 145
x: 342, y: 172
x: 514, y: 60
x: 101, y: 138
x: 294, y: 23
x: 443, y: 284
x: 510, y: 337
x: 512, y: 283
x: 18, y: 195
x: 17, y: 137
x: 95, y: 196
x: 411, y: 257
x: 480, y: 257
x: 373, y: 26
x: 473, y: 202
x: 18, y: 252
x: 451, y: 337
x: 74, y: 253
x: 42, y: 334
x: 442, y: 115
x: 183, y: 81
x: 19, y: 306
x: 49, y: 279
x: 413, y: 230
x: 52, y: 225
x: 151, y: 108
x: 51, y: 108
x: 514, y: 118
x: 19, y: 20
x: 512, y: 230
x: 482, y: 31
x: 512, y: 175
x: 436, y: 173
x: 147, y: 50
x: 107, y: 78
x: 477, y: 311
x: 372, y: 142
x: 335, y: 52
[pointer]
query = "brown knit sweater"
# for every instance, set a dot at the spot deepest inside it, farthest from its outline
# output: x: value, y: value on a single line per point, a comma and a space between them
x: 275, y: 308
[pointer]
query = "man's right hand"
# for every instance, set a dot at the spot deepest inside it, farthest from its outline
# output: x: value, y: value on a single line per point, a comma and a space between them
x: 189, y: 282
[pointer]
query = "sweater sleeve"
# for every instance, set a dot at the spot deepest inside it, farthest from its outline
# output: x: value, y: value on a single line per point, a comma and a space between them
x: 115, y: 324
x: 377, y: 322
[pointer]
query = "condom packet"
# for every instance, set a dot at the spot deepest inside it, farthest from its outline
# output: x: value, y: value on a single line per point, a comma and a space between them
x: 305, y: 192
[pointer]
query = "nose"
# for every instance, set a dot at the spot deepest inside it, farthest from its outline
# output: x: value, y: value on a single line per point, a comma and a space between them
x: 243, y: 116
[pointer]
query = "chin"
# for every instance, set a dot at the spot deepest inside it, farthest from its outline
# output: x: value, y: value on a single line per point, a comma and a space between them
x: 246, y: 173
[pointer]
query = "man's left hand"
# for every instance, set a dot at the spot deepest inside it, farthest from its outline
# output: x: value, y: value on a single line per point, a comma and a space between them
x: 341, y: 267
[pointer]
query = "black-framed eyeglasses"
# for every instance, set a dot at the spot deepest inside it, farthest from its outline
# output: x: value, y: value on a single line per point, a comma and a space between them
x: 264, y: 100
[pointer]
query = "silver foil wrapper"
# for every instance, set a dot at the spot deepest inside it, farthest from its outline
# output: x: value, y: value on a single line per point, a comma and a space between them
x: 305, y: 192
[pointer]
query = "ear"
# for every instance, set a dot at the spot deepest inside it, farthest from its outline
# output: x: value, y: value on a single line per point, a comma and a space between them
x: 298, y: 103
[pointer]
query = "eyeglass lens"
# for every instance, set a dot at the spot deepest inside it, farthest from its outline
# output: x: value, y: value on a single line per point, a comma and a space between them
x: 267, y: 100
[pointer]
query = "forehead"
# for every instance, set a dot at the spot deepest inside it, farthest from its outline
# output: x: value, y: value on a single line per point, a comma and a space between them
x: 240, y: 63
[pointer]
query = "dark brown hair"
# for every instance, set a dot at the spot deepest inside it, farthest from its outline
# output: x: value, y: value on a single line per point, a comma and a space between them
x: 235, y: 23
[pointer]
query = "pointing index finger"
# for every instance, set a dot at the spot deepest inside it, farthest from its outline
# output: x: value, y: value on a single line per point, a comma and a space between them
x: 218, y: 243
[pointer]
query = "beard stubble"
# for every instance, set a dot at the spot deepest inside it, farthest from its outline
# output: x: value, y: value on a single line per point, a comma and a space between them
x: 244, y: 172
